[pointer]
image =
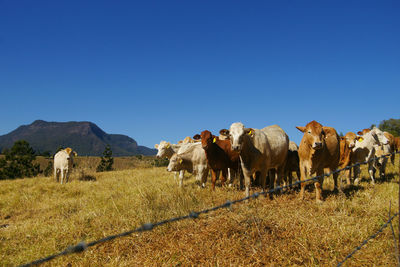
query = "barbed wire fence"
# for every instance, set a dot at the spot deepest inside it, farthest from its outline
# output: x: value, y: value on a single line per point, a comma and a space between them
x: 82, y: 246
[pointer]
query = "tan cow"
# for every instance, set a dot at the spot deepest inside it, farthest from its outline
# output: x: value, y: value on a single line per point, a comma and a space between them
x: 319, y: 149
x: 347, y: 143
x: 63, y: 163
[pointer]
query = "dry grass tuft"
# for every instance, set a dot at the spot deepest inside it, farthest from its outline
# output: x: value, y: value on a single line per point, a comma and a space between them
x: 39, y: 217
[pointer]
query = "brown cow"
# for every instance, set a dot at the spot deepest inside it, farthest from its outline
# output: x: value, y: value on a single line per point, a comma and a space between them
x: 219, y: 156
x: 397, y: 143
x: 292, y: 162
x: 319, y: 149
x: 347, y: 143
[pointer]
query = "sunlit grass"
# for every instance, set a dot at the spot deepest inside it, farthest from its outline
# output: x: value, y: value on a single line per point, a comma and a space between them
x: 39, y: 217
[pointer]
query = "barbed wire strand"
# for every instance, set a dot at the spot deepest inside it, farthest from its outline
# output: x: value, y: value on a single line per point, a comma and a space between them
x: 369, y: 238
x: 82, y: 246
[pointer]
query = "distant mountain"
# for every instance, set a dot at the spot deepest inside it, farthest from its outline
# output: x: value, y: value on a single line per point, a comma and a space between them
x: 86, y: 138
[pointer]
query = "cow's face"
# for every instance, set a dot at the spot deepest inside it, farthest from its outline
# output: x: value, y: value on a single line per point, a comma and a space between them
x: 206, y: 139
x: 70, y: 154
x: 175, y: 163
x: 350, y: 139
x: 313, y: 134
x: 162, y: 149
x: 236, y: 134
x: 379, y: 136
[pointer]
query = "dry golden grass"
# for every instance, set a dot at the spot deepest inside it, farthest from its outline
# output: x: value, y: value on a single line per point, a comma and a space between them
x: 39, y: 217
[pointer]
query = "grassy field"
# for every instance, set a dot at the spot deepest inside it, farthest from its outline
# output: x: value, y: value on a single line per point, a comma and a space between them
x: 39, y: 217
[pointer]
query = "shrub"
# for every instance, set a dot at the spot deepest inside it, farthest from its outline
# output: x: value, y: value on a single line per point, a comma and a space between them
x: 107, y: 161
x: 18, y: 161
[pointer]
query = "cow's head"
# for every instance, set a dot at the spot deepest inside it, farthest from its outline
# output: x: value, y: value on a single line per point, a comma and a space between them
x: 313, y: 134
x: 236, y: 134
x: 162, y: 148
x: 175, y: 163
x: 206, y: 138
x: 364, y: 131
x: 350, y: 139
x: 70, y: 153
x: 379, y: 136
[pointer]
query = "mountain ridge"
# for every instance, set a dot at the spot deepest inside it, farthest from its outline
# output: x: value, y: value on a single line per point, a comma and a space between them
x: 84, y: 137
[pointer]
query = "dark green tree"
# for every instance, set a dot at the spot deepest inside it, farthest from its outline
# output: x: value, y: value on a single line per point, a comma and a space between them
x: 106, y: 161
x: 18, y: 161
x: 392, y: 126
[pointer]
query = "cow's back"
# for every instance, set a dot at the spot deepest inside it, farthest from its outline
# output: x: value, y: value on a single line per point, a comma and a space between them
x: 61, y: 160
x: 279, y: 145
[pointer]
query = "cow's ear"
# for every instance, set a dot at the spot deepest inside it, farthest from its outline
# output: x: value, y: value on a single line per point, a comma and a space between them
x: 359, y: 133
x: 224, y: 132
x: 249, y: 131
x: 156, y: 146
x: 196, y: 137
x: 168, y: 145
x: 301, y: 128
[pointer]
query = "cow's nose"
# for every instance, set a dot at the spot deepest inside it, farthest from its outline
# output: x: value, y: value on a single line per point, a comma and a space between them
x: 317, y: 145
x: 236, y: 148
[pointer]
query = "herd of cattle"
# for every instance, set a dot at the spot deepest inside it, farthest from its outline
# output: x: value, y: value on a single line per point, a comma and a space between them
x: 257, y: 154
x: 248, y: 153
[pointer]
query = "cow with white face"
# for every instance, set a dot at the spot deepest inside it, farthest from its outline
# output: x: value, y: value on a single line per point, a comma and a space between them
x: 166, y: 150
x: 365, y: 149
x: 260, y: 151
x: 63, y: 163
x: 192, y: 158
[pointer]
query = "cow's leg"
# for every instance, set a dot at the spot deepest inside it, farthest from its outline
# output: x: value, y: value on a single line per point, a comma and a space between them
x: 382, y: 169
x: 247, y: 179
x: 356, y: 173
x: 336, y: 186
x: 263, y: 179
x: 303, y: 176
x: 62, y: 176
x: 181, y: 175
x: 67, y: 175
x: 175, y: 174
x: 204, y: 174
x: 318, y: 186
x: 224, y: 174
x: 280, y: 173
x: 56, y: 175
x: 214, y: 175
x: 348, y: 176
x: 371, y: 171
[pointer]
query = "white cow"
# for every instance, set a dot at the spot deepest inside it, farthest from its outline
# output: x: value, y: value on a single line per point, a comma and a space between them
x: 365, y: 149
x: 260, y: 151
x: 63, y: 162
x: 166, y: 150
x: 192, y: 158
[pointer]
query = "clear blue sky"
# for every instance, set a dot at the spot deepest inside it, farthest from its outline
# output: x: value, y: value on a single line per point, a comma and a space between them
x: 163, y: 70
